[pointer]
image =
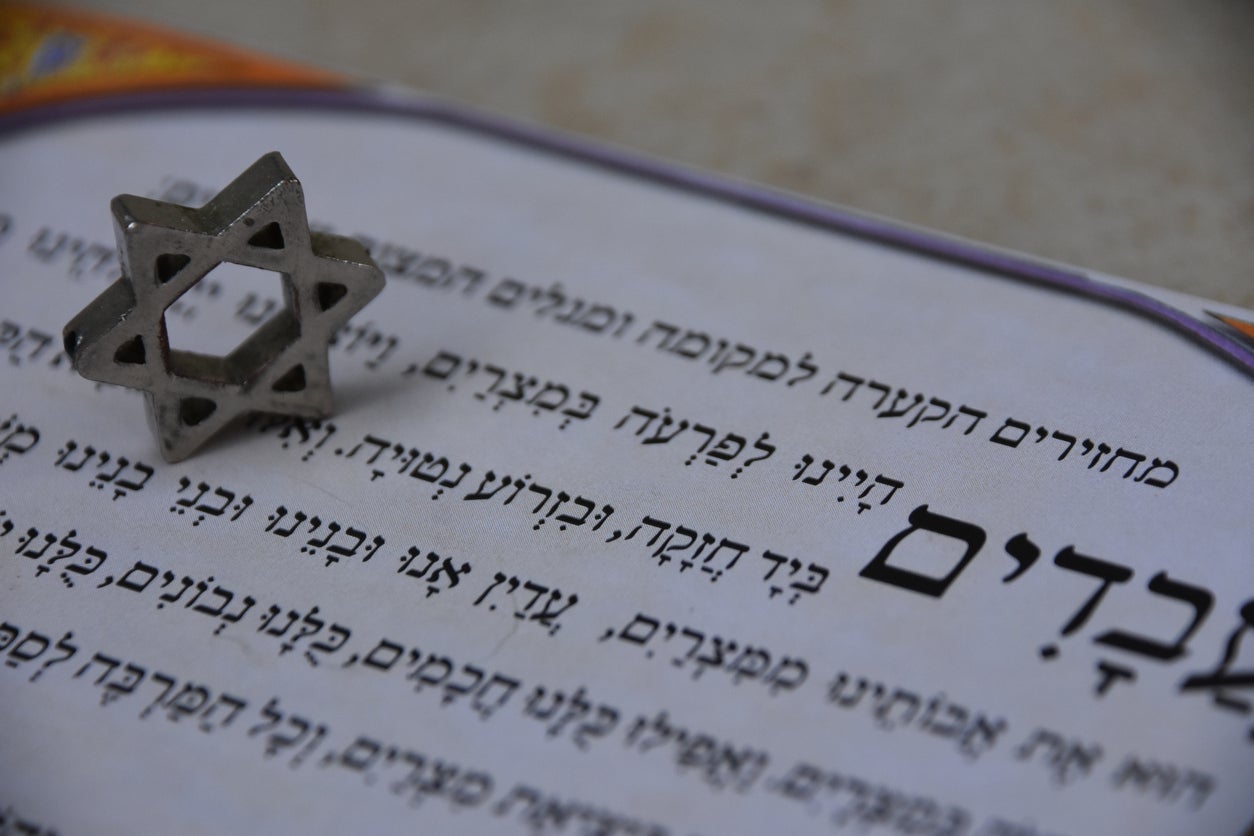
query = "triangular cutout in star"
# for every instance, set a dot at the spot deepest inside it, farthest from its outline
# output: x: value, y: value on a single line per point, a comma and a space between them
x: 292, y: 381
x: 329, y: 294
x: 269, y: 237
x: 131, y: 352
x: 169, y: 264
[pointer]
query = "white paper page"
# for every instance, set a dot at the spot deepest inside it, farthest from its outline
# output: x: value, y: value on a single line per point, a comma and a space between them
x: 640, y: 513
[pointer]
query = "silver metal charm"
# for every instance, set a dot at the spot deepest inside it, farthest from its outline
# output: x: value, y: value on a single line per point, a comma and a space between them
x: 164, y: 249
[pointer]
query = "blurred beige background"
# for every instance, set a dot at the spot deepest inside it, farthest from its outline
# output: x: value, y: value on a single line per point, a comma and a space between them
x: 1116, y: 135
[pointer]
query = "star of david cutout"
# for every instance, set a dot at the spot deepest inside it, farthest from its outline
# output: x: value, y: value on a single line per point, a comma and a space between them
x: 164, y: 249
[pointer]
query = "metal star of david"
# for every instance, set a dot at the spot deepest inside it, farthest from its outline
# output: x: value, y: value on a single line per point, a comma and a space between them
x: 164, y: 250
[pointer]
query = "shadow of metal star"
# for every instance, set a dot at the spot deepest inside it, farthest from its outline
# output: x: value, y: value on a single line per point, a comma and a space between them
x: 164, y: 249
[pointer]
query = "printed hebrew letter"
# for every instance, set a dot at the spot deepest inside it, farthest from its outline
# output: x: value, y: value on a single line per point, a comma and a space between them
x: 647, y: 415
x: 454, y: 690
x: 883, y: 388
x: 802, y: 466
x: 1102, y: 449
x: 443, y: 670
x: 225, y: 594
x: 434, y: 271
x: 236, y: 706
x: 500, y: 374
x: 507, y: 293
x: 570, y: 519
x: 662, y: 551
x: 484, y: 706
x: 598, y: 318
x: 731, y: 545
x: 772, y: 366
x: 881, y: 479
x: 380, y: 445
x: 1159, y: 482
x: 482, y: 493
x: 577, y: 707
x: 539, y: 590
x: 248, y: 603
x: 815, y: 576
x: 138, y: 586
x: 1135, y: 458
x: 752, y: 663
x: 310, y: 625
x: 450, y: 572
x: 297, y: 518
x: 894, y: 412
x: 472, y: 276
x: 777, y: 559
x: 629, y: 634
x: 667, y: 330
x: 605, y: 722
x: 709, y: 433
x: 856, y: 381
x: 414, y: 553
x: 729, y: 447
x: 550, y: 397
x: 132, y: 485
x: 121, y: 463
x: 314, y: 543
x: 957, y: 722
x: 170, y: 682
x: 788, y: 675
x: 923, y: 414
x: 716, y: 658
x: 1196, y: 597
x: 1025, y: 553
x: 349, y: 551
x: 67, y: 652
x: 692, y: 345
x: 29, y: 438
x: 545, y: 494
x: 384, y: 655
x: 884, y: 709
x: 1223, y: 676
x: 582, y: 410
x: 521, y: 384
x: 187, y: 701
x: 828, y: 467
x: 743, y: 355
x: 966, y: 410
x: 1109, y: 573
x: 548, y: 615
x: 835, y: 691
x: 921, y: 519
x: 536, y: 703
x: 658, y: 437
x: 109, y: 661
x: 699, y: 637
x: 124, y: 686
x: 216, y: 511
x: 37, y: 642
x: 1070, y: 439
x: 981, y: 736
x: 1011, y: 440
x: 503, y: 806
x: 442, y: 365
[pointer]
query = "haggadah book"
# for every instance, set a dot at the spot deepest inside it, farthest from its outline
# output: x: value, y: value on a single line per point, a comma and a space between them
x: 651, y: 502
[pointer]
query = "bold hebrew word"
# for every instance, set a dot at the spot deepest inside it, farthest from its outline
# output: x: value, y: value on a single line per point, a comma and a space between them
x: 921, y: 519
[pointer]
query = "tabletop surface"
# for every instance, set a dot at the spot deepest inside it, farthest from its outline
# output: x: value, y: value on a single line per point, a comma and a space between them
x: 1115, y: 136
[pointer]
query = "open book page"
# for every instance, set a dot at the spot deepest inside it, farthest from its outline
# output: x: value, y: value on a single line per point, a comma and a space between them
x: 643, y: 510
